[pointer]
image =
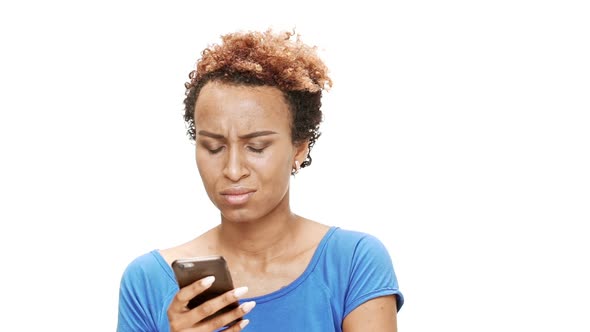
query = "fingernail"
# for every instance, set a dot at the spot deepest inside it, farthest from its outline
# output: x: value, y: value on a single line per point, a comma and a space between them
x: 246, y: 307
x: 243, y: 323
x: 240, y: 291
x: 206, y: 282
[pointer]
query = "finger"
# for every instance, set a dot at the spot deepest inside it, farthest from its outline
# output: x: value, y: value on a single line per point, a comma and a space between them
x: 239, y: 326
x: 234, y: 317
x: 185, y: 294
x: 212, y: 306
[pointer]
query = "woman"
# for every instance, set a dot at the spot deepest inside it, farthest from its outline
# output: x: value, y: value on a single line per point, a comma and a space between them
x: 253, y: 108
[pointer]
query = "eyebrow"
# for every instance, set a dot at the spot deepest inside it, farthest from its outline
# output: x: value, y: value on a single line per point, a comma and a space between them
x: 246, y: 136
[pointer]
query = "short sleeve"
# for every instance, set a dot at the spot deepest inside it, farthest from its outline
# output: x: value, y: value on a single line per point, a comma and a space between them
x: 145, y: 292
x: 132, y: 314
x: 372, y: 274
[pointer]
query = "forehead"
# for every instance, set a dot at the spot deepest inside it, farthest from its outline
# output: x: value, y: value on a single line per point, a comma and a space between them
x: 223, y: 106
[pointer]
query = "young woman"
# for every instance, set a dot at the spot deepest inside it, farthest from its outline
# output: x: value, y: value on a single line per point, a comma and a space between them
x: 253, y: 108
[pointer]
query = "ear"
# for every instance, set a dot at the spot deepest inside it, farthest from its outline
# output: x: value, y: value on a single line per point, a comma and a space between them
x: 301, y: 151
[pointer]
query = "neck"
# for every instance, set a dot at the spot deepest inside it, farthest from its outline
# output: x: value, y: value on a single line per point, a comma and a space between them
x: 261, y: 240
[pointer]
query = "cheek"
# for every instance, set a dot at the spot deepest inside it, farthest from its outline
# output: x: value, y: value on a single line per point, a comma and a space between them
x: 272, y: 166
x: 206, y: 168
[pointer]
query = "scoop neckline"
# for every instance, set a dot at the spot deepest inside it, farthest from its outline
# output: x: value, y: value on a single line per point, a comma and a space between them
x: 279, y: 292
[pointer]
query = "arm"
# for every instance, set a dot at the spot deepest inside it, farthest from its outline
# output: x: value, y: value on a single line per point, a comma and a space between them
x: 144, y: 292
x: 132, y: 316
x: 378, y: 315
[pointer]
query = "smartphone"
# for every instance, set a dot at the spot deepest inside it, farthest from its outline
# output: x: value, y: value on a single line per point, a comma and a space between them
x: 189, y: 270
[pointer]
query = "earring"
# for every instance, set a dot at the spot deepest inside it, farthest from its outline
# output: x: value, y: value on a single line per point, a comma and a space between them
x: 295, y: 169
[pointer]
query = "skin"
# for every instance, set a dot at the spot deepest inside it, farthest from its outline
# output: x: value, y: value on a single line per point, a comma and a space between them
x: 244, y: 145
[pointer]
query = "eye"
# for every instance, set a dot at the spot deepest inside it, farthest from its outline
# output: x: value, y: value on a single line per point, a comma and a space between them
x: 255, y: 150
x: 214, y: 151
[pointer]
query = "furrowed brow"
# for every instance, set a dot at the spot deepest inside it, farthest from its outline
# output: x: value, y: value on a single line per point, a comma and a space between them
x: 246, y: 136
x: 258, y: 134
x: 210, y: 134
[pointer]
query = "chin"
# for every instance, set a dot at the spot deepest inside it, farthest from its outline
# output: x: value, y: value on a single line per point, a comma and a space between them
x: 238, y: 215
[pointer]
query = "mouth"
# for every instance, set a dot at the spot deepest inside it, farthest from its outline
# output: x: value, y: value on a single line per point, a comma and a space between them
x: 237, y: 196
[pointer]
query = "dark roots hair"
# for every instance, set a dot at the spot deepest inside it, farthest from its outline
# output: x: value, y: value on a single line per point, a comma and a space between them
x: 270, y: 59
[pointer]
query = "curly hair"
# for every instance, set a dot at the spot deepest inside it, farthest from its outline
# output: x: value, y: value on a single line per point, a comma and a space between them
x: 269, y: 59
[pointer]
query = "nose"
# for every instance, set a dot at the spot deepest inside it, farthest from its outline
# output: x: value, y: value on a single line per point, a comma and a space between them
x: 235, y: 168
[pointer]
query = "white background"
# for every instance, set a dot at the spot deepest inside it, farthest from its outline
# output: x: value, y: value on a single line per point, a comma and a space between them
x: 456, y: 131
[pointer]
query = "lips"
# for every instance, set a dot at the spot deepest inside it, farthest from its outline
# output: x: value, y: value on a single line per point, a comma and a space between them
x: 237, y: 196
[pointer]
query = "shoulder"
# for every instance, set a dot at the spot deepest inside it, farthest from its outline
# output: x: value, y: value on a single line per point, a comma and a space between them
x: 355, y: 242
x: 363, y: 263
x: 347, y: 251
x: 146, y: 271
x: 147, y: 287
x: 146, y: 263
x: 360, y: 252
x: 204, y: 244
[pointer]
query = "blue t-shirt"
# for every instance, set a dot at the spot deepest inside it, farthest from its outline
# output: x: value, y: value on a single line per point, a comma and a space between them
x: 347, y: 269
